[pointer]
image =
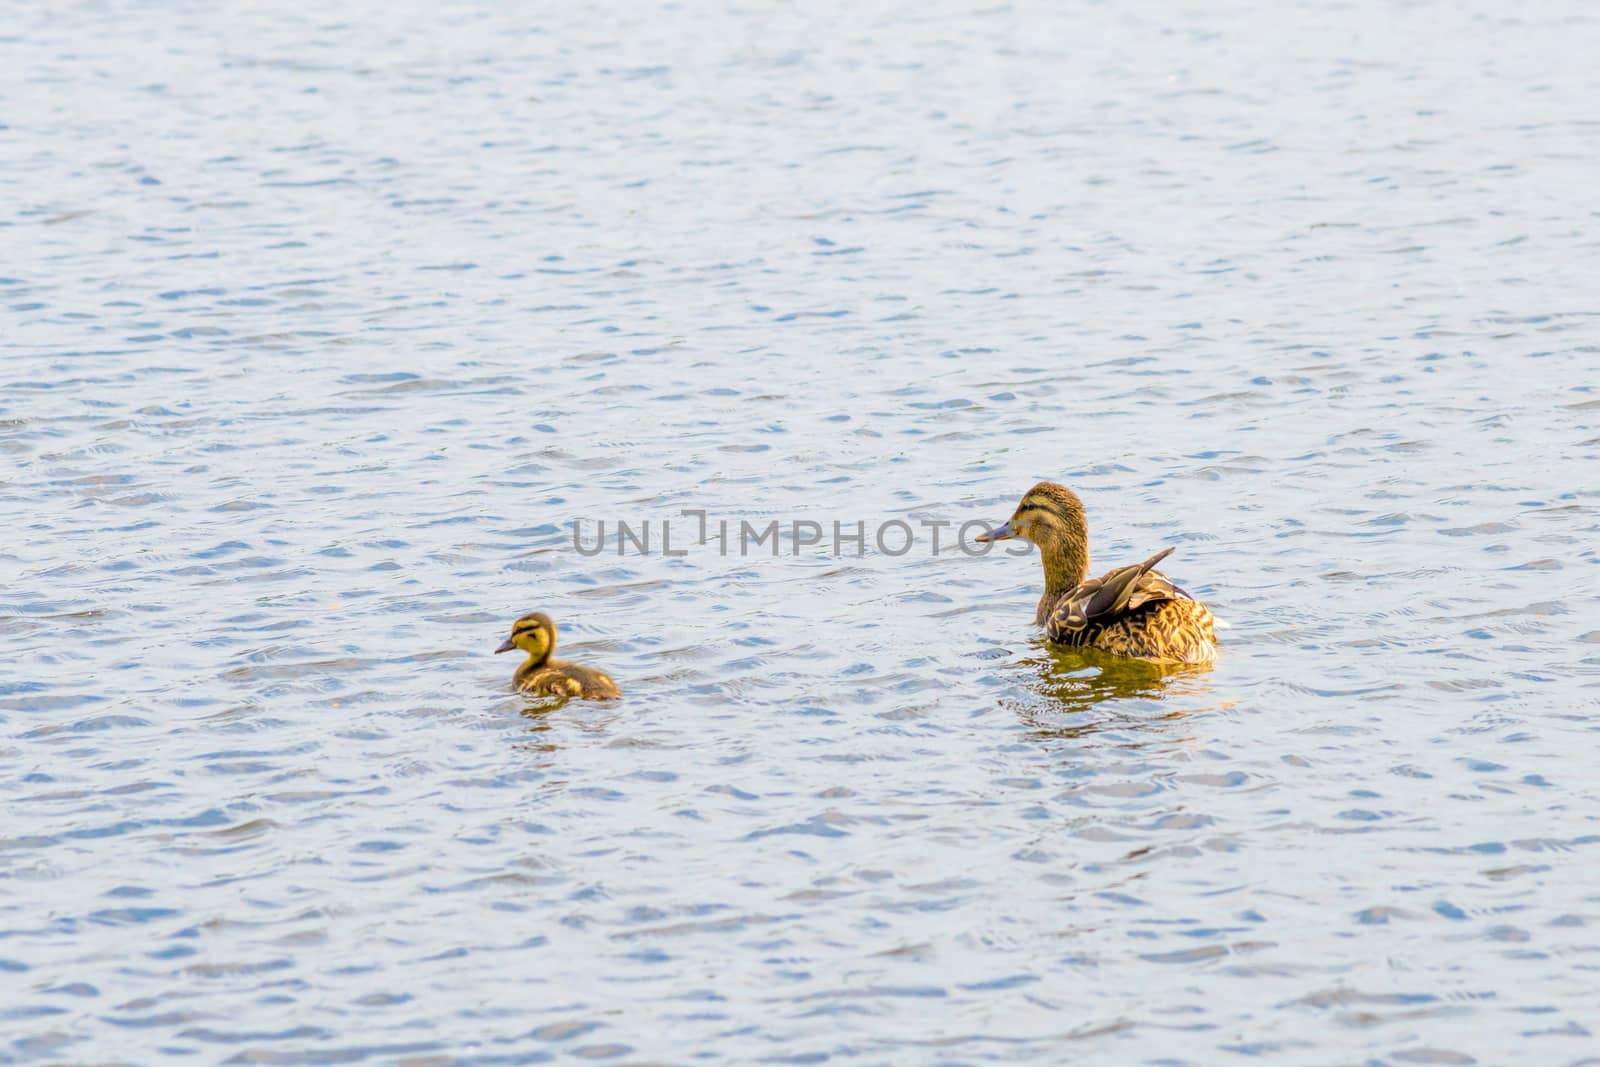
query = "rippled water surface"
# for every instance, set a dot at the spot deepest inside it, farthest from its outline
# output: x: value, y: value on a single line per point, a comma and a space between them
x: 322, y: 324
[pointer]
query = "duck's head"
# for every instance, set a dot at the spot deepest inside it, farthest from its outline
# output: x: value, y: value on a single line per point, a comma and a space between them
x: 1050, y: 515
x: 534, y: 633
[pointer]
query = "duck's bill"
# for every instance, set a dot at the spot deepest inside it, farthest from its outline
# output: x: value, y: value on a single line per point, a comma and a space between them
x: 507, y: 647
x: 999, y: 533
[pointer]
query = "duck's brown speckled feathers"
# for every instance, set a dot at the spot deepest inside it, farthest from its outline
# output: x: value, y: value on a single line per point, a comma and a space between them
x: 535, y: 634
x: 1131, y: 611
x: 1135, y: 611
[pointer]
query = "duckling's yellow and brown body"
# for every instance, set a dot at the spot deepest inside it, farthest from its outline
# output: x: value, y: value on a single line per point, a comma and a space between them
x: 535, y: 634
x: 1131, y: 611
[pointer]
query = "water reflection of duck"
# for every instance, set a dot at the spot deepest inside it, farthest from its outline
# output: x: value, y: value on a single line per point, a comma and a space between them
x: 1133, y: 611
x: 535, y: 634
x: 1080, y: 680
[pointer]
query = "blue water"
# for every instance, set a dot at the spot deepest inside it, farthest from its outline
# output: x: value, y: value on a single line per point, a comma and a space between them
x: 321, y: 327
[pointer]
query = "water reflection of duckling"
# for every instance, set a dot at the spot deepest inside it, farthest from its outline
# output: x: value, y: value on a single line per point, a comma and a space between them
x: 535, y: 634
x: 1131, y: 611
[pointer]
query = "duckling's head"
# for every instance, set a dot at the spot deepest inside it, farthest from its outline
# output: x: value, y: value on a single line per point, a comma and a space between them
x: 1050, y: 515
x: 535, y: 634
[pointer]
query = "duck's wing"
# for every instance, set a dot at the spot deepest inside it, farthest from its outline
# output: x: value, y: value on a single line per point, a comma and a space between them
x: 1100, y: 601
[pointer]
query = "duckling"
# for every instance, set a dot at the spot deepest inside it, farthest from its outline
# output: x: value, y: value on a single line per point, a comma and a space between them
x: 1131, y: 611
x: 535, y: 634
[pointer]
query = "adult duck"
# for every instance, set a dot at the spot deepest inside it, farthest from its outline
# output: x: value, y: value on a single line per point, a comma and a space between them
x: 1131, y: 611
